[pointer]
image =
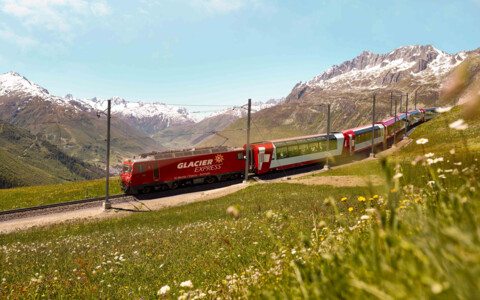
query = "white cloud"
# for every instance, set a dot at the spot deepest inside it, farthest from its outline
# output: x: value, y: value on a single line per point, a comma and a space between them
x: 219, y: 6
x: 24, y: 42
x: 53, y: 15
x: 99, y: 9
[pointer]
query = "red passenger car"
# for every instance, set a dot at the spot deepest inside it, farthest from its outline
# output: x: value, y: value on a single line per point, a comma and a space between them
x: 174, y: 168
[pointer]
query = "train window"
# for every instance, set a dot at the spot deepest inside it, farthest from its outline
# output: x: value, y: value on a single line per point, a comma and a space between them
x: 293, y: 151
x: 240, y: 156
x: 282, y: 152
x: 155, y: 171
x: 313, y: 147
x: 333, y: 144
x: 140, y: 168
x: 127, y: 168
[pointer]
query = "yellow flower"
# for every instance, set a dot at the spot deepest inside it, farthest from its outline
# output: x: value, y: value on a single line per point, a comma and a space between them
x: 322, y: 238
x: 405, y: 201
x: 375, y: 196
x: 393, y: 191
x: 361, y: 198
x: 418, y: 199
x: 344, y: 198
x: 371, y: 199
x: 400, y: 207
x: 243, y: 273
x: 350, y: 208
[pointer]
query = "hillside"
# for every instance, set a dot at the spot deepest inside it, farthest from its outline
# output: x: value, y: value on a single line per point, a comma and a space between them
x: 349, y: 88
x: 28, y: 160
x: 412, y: 235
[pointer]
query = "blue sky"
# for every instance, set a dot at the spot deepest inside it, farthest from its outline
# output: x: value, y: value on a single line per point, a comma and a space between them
x: 213, y: 51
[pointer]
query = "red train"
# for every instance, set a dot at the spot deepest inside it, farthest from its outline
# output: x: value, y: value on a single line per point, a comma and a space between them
x: 169, y: 170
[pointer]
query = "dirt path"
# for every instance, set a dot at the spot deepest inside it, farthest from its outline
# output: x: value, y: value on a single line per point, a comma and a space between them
x: 125, y: 209
x: 118, y: 210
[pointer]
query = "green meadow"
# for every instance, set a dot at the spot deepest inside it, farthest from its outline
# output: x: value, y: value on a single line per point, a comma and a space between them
x: 414, y: 236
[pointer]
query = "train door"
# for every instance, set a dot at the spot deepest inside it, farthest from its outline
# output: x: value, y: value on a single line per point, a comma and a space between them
x: 156, y: 171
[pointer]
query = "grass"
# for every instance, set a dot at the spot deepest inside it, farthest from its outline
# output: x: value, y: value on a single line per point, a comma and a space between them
x: 416, y: 237
x: 48, y: 194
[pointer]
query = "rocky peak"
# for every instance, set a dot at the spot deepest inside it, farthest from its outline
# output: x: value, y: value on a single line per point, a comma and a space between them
x: 370, y: 70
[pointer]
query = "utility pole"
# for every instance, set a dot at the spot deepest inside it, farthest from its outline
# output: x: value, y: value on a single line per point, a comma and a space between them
x: 406, y: 117
x: 326, y: 167
x: 372, y: 154
x: 395, y: 125
x: 247, y: 156
x: 107, y: 204
x: 435, y: 99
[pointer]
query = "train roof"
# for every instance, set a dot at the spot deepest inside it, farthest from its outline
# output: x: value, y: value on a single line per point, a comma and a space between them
x: 154, y: 155
x: 302, y: 137
x: 363, y: 127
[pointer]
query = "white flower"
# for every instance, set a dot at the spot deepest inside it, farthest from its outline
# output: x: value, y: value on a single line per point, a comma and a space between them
x: 430, y: 161
x: 293, y: 251
x: 458, y: 163
x: 187, y: 284
x: 442, y: 176
x: 365, y: 217
x: 452, y: 151
x: 422, y: 141
x: 458, y: 125
x: 443, y: 109
x: 233, y: 211
x: 431, y: 183
x: 429, y: 154
x: 398, y: 175
x: 163, y: 290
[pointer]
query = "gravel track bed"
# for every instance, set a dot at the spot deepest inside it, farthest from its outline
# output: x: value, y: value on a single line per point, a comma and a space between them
x: 59, y: 209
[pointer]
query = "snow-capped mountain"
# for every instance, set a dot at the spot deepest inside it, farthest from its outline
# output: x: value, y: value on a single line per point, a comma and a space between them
x: 149, y: 117
x: 418, y: 63
x: 241, y: 111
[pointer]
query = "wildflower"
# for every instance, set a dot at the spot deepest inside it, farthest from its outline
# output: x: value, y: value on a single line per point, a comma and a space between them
x: 393, y: 190
x: 187, y: 284
x: 361, y: 198
x: 163, y: 290
x: 452, y: 151
x: 431, y: 161
x: 233, y: 211
x: 343, y: 199
x: 443, y: 109
x: 350, y: 208
x: 365, y: 217
x: 442, y: 176
x: 422, y: 141
x: 431, y: 183
x: 429, y: 154
x: 397, y: 176
x: 375, y: 197
x: 269, y: 214
x: 458, y: 163
x: 293, y: 251
x: 458, y: 125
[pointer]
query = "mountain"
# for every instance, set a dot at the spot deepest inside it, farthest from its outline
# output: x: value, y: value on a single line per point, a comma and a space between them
x: 29, y: 160
x: 349, y: 87
x: 147, y: 118
x: 67, y: 123
x: 191, y: 135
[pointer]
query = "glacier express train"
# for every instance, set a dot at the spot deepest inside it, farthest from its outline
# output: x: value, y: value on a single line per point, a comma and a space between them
x: 171, y: 169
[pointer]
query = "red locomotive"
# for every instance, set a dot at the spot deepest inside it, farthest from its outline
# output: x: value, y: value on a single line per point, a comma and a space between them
x: 174, y: 168
x: 169, y: 170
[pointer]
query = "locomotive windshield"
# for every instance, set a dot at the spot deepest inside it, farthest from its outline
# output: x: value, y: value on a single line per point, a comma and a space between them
x: 127, y: 168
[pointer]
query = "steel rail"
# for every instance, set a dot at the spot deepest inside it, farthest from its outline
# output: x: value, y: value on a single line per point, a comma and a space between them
x: 60, y: 204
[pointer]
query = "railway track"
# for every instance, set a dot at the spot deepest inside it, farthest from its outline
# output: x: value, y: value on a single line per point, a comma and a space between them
x: 58, y: 207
